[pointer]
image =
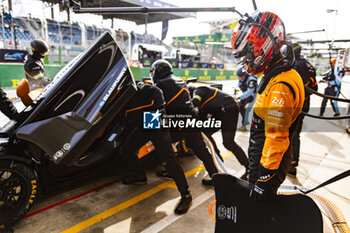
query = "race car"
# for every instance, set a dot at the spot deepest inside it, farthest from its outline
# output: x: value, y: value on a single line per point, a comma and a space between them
x: 71, y: 129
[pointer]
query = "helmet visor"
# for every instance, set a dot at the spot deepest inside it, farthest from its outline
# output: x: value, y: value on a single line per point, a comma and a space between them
x: 240, y: 39
x: 43, y: 54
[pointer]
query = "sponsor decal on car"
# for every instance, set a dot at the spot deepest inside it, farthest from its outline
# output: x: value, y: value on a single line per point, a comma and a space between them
x: 61, y: 152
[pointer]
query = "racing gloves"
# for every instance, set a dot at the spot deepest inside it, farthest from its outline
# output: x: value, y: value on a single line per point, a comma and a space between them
x: 263, y: 190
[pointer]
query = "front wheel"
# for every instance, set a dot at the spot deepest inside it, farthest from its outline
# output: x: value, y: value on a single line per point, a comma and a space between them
x: 18, y: 188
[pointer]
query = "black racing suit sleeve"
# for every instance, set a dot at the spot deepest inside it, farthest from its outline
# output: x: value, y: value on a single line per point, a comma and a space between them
x: 35, y: 73
x: 6, y: 105
x: 307, y: 73
x: 313, y: 81
x: 35, y: 70
x: 152, y: 92
x: 197, y: 98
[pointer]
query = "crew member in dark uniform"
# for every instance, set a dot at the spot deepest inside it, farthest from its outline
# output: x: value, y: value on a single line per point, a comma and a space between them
x: 213, y: 103
x: 6, y: 106
x: 278, y: 102
x: 150, y: 98
x: 308, y: 74
x: 178, y: 102
x: 33, y: 65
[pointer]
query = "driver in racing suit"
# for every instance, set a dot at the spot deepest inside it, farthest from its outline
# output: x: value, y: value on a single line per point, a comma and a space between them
x: 278, y: 103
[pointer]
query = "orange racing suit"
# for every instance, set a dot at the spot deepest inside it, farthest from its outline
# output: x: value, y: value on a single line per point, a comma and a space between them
x: 278, y: 104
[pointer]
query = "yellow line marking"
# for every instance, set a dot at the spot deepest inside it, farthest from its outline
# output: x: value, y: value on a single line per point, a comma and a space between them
x: 194, y: 171
x: 172, y: 185
x: 105, y: 214
x: 229, y: 154
x: 116, y: 209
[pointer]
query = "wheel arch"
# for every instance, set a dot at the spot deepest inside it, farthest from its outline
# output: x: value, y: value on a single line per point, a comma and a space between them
x: 27, y: 161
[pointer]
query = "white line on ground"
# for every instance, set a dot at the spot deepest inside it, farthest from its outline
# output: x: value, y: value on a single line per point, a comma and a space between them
x: 165, y: 222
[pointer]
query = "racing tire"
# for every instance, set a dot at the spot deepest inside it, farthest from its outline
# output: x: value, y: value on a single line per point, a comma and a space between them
x: 18, y: 189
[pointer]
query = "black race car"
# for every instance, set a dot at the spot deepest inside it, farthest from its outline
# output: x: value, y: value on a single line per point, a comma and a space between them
x: 72, y: 127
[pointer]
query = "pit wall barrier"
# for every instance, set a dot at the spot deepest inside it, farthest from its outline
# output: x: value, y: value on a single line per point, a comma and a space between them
x: 12, y: 74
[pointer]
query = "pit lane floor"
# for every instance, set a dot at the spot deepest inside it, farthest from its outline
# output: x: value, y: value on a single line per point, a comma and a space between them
x: 106, y: 205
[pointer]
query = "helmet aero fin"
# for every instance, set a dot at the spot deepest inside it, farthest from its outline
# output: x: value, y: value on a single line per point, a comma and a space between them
x: 257, y: 39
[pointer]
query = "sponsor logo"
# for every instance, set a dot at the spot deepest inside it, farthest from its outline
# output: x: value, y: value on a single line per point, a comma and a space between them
x: 275, y: 113
x: 14, y: 56
x: 227, y: 212
x: 239, y: 39
x: 61, y: 152
x: 110, y: 91
x: 277, y: 101
x: 66, y: 146
x: 265, y: 177
x: 257, y: 59
x: 33, y: 194
x: 222, y: 212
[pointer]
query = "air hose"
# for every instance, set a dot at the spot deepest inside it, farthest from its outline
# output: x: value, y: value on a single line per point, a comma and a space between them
x: 326, y: 96
x: 333, y: 213
x: 326, y: 118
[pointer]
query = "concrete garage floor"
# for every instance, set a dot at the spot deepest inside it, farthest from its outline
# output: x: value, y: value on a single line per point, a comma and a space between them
x: 149, y: 208
x: 127, y: 208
